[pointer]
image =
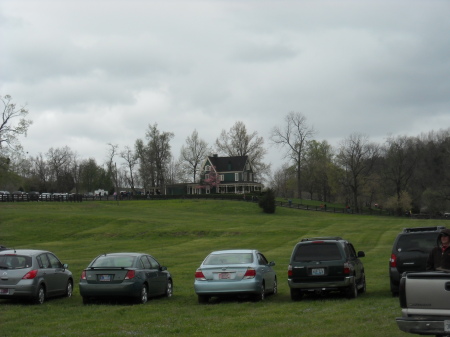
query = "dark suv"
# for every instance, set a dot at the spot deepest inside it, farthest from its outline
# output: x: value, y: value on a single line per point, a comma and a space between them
x: 410, y: 252
x: 326, y: 264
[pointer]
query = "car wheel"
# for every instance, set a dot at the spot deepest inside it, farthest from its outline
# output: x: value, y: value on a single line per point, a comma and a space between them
x: 69, y: 289
x: 202, y: 299
x: 261, y: 294
x: 143, y: 298
x: 275, y: 286
x: 169, y: 289
x: 40, y: 295
x: 296, y: 294
x: 352, y: 291
x: 363, y: 289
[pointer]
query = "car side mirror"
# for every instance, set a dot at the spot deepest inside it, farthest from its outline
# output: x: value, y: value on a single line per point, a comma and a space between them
x: 65, y: 266
x: 361, y: 254
x: 271, y: 263
x: 163, y: 268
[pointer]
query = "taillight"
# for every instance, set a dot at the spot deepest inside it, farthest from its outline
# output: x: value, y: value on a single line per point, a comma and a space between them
x: 199, y: 275
x: 130, y: 274
x: 393, y: 261
x: 250, y: 273
x: 30, y: 275
x: 346, y: 269
x: 290, y: 270
x: 83, y: 275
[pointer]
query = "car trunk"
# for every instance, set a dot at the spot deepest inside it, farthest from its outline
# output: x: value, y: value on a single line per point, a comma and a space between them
x: 224, y: 273
x: 106, y: 275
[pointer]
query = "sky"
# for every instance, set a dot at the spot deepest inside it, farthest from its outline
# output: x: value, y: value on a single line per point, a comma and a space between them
x: 101, y: 71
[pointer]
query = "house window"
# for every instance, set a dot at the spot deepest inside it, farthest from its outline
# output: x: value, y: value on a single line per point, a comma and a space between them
x: 236, y: 177
x: 207, y: 168
x: 245, y: 176
x: 206, y: 176
x: 207, y: 190
x: 222, y: 178
x: 251, y: 177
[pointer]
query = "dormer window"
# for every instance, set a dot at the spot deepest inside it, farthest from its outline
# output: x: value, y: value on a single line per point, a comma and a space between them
x: 207, y: 168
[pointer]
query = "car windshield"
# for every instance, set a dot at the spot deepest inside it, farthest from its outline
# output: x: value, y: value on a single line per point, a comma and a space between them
x: 317, y: 252
x: 417, y: 242
x: 15, y: 262
x: 229, y: 258
x: 117, y: 261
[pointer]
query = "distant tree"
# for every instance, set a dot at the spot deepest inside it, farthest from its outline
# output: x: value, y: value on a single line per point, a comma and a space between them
x: 193, y: 153
x: 238, y: 142
x: 294, y: 136
x: 356, y: 157
x: 9, y: 130
x: 212, y: 180
x: 59, y: 161
x: 283, y: 181
x: 131, y: 159
x: 267, y: 201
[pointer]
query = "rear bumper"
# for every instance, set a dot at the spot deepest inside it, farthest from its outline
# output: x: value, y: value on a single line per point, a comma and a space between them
x: 222, y: 288
x: 125, y: 289
x: 423, y: 326
x: 346, y: 282
x: 24, y: 289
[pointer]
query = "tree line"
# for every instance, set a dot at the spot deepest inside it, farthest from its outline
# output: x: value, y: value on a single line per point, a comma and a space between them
x: 402, y: 174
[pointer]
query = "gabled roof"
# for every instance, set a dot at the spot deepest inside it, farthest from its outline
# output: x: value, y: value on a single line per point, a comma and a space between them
x: 223, y: 164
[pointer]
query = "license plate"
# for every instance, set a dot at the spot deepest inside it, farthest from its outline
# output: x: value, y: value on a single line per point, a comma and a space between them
x: 447, y: 325
x: 4, y: 291
x: 105, y: 278
x: 318, y: 271
x: 224, y: 276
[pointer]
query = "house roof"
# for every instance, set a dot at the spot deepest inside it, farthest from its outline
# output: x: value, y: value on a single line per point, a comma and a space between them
x: 223, y: 164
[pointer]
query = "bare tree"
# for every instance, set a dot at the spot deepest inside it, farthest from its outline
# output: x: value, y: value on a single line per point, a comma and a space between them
x: 131, y: 160
x: 59, y: 161
x: 294, y: 136
x: 357, y: 157
x: 193, y: 153
x: 237, y: 142
x: 112, y: 167
x: 9, y: 131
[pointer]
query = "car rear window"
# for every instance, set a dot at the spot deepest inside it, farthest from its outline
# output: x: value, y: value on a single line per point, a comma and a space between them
x: 417, y: 242
x: 114, y: 261
x: 229, y: 258
x: 317, y: 252
x: 15, y: 261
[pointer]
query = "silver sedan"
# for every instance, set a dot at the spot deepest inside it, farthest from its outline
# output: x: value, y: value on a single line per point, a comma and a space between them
x: 235, y: 272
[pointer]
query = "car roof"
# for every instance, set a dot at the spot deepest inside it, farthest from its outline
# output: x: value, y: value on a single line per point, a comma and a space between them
x: 422, y: 229
x: 23, y: 251
x: 228, y: 251
x: 123, y: 254
x: 323, y: 238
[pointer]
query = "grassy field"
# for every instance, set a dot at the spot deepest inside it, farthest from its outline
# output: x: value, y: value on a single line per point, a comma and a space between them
x: 180, y: 233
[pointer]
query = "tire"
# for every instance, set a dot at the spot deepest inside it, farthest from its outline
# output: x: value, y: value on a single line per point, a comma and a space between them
x: 275, y: 286
x: 363, y: 289
x: 261, y: 295
x: 143, y: 298
x: 169, y: 289
x: 40, y: 295
x: 296, y: 294
x: 352, y: 291
x: 203, y: 299
x: 69, y: 289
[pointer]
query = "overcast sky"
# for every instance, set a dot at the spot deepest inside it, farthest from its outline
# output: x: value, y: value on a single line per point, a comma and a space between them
x: 98, y: 72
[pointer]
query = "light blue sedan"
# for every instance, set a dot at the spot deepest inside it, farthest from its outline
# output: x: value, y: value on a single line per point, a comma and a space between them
x: 235, y: 272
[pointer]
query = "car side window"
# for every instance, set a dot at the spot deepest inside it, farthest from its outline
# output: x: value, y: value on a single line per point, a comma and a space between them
x: 351, y: 251
x: 54, y: 262
x: 262, y: 260
x: 153, y: 262
x: 43, y: 261
x: 145, y: 262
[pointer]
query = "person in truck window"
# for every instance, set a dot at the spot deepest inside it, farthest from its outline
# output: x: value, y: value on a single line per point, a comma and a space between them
x: 439, y: 258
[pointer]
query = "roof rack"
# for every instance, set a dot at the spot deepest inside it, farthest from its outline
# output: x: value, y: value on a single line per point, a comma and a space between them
x: 423, y: 229
x: 323, y: 238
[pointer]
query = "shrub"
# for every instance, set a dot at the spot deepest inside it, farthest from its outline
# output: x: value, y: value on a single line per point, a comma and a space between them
x: 267, y: 201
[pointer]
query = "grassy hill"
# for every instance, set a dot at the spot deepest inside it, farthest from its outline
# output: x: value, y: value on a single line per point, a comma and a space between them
x: 180, y: 233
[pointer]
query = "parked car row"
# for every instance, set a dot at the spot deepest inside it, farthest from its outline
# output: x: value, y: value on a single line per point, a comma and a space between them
x: 317, y: 265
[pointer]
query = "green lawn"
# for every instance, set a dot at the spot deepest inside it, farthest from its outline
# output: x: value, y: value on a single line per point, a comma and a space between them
x: 180, y: 233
